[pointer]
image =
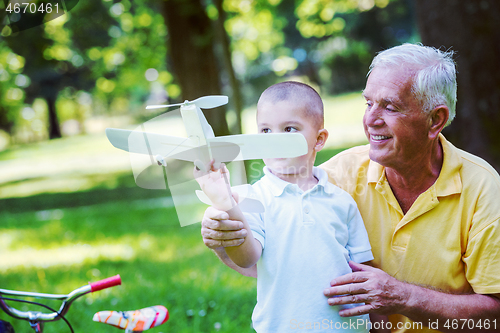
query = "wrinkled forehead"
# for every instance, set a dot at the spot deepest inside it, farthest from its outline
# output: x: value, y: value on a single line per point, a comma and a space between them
x: 392, y: 86
x: 385, y: 79
x: 403, y: 72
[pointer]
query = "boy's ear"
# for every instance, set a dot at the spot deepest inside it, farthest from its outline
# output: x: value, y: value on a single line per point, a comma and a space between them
x: 321, y: 139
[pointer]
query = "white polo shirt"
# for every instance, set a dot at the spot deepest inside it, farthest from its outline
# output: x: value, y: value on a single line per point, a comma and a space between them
x: 307, y: 240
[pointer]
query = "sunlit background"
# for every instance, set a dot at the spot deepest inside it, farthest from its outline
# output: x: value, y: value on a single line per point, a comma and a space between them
x: 70, y: 211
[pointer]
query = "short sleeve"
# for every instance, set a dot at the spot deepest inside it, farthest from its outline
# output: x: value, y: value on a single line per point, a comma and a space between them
x: 256, y: 223
x: 358, y: 244
x: 482, y: 259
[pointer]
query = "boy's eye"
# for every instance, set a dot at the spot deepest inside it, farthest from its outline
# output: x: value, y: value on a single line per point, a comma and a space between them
x: 265, y: 130
x: 290, y: 129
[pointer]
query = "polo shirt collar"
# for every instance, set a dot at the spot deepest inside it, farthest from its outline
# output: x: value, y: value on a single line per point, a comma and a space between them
x: 375, y: 172
x: 277, y: 185
x: 449, y: 180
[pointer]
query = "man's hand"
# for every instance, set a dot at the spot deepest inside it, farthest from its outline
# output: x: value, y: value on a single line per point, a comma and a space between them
x: 380, y: 292
x: 217, y: 231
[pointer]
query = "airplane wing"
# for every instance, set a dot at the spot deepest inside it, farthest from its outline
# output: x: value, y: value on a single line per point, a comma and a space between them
x: 258, y: 146
x: 223, y: 148
x: 149, y: 143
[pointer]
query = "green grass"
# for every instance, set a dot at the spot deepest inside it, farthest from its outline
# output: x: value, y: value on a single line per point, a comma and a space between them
x: 160, y: 263
x: 70, y: 213
x: 50, y: 244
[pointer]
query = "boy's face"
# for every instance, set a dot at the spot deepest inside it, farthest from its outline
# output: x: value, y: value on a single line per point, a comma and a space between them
x: 289, y: 117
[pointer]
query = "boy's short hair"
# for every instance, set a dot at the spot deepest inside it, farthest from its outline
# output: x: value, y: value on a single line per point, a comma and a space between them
x: 299, y: 92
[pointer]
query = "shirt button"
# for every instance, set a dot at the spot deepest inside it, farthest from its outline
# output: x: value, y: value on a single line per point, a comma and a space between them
x: 307, y: 209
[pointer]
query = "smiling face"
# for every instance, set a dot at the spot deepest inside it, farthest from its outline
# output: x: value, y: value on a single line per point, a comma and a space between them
x: 290, y: 116
x: 394, y: 122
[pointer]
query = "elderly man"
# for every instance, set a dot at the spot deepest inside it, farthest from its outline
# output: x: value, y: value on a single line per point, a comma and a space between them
x: 430, y: 209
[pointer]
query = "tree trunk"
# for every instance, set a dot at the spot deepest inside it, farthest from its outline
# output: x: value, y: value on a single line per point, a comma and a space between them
x: 54, y: 128
x: 238, y: 168
x: 237, y: 99
x: 191, y: 47
x: 6, y: 124
x: 472, y: 29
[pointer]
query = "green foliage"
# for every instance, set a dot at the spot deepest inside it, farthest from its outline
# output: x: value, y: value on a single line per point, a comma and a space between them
x: 137, y: 44
x: 98, y: 50
x: 326, y: 43
x: 106, y: 57
x: 320, y: 18
x: 254, y: 27
x: 11, y: 84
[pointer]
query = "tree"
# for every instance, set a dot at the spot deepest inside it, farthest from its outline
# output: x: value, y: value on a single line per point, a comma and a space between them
x: 223, y: 38
x: 107, y: 58
x: 191, y: 46
x: 51, y: 62
x: 472, y: 30
x: 44, y: 75
x: 11, y: 95
x: 328, y: 43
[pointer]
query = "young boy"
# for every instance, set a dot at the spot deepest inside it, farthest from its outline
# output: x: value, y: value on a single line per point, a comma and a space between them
x: 310, y: 229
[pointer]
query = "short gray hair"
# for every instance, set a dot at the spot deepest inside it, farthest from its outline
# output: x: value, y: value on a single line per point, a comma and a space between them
x: 435, y: 74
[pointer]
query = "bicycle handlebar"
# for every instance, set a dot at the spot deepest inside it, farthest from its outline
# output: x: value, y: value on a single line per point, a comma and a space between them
x: 106, y: 283
x: 66, y: 300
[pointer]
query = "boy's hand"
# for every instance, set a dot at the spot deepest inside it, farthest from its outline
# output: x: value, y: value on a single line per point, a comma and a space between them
x: 215, y: 184
x: 217, y: 231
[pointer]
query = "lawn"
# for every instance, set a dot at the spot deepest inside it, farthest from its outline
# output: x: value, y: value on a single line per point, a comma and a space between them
x: 58, y: 250
x: 70, y: 213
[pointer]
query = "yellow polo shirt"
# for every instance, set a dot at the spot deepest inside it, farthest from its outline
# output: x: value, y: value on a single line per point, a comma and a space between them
x: 449, y: 239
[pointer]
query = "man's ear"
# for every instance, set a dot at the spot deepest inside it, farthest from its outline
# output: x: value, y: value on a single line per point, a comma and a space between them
x: 438, y: 119
x: 321, y: 139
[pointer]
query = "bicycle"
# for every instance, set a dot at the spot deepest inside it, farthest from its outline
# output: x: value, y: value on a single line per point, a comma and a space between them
x: 130, y: 321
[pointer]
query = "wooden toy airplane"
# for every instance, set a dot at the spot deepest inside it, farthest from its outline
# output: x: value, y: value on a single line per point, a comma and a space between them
x: 201, y: 145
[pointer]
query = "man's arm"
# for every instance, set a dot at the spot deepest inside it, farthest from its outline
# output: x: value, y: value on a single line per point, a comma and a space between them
x: 384, y: 294
x: 219, y: 233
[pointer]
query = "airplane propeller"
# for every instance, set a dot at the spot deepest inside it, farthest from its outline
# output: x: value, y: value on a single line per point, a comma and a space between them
x: 205, y: 102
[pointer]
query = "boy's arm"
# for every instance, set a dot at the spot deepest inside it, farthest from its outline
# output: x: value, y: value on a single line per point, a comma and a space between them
x: 247, y: 254
x: 220, y: 252
x: 215, y: 185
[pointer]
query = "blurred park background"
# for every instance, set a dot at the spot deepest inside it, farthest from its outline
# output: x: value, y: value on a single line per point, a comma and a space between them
x: 70, y: 211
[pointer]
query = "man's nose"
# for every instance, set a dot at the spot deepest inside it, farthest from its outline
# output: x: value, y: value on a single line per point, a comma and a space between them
x: 373, y: 117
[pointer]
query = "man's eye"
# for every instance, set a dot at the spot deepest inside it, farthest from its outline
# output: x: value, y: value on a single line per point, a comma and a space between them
x: 265, y: 130
x: 290, y: 129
